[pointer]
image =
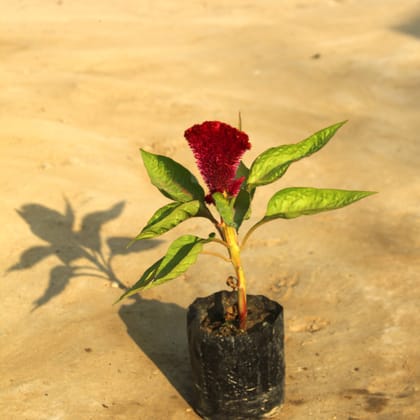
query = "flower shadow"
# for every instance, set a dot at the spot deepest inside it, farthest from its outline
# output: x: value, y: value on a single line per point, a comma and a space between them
x: 79, y: 252
x: 163, y: 339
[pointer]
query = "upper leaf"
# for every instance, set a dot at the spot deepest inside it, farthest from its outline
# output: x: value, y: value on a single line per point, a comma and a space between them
x: 224, y: 207
x: 171, y: 178
x: 241, y: 207
x: 168, y: 217
x: 242, y: 171
x: 181, y: 254
x: 273, y: 163
x: 294, y: 202
x: 242, y: 202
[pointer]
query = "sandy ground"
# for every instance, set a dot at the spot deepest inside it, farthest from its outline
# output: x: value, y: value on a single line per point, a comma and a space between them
x: 84, y: 84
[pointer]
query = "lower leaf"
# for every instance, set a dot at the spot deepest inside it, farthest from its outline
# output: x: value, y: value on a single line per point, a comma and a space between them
x: 181, y: 254
x: 168, y: 217
x: 224, y: 207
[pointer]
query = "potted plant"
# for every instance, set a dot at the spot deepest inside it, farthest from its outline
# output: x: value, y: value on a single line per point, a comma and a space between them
x: 235, y: 339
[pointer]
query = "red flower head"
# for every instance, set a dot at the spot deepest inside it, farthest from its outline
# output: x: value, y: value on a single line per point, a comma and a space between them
x: 218, y: 149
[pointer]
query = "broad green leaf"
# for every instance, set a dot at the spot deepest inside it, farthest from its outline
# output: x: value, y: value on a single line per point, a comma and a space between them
x: 241, y: 207
x: 237, y: 209
x: 243, y: 199
x: 181, y: 254
x: 168, y: 217
x: 273, y: 163
x: 144, y: 281
x: 171, y: 178
x: 294, y: 202
x: 224, y: 207
x: 242, y: 170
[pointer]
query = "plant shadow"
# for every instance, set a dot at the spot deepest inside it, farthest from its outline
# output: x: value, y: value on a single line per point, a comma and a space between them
x: 84, y: 252
x: 411, y: 26
x: 163, y: 339
x: 80, y: 252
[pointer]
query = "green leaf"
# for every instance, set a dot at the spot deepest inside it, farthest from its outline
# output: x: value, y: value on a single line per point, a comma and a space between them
x: 144, y: 281
x: 294, y: 202
x: 234, y: 210
x: 168, y: 217
x: 171, y: 178
x: 243, y: 200
x: 271, y: 165
x: 224, y: 207
x: 242, y: 170
x: 181, y: 254
x: 241, y: 207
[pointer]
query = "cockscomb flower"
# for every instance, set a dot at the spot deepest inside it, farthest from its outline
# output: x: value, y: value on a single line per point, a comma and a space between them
x: 218, y: 149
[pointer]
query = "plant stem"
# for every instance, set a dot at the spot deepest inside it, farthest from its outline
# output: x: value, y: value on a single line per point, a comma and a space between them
x: 205, y: 212
x: 235, y: 256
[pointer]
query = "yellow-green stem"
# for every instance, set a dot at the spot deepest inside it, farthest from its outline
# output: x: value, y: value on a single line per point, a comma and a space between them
x: 231, y: 239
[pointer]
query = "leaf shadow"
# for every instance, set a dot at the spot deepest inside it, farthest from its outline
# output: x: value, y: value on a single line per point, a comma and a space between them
x: 80, y: 252
x: 411, y: 26
x: 163, y: 339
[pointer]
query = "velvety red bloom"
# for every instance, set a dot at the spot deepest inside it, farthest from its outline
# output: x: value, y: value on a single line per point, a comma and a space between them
x: 218, y: 149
